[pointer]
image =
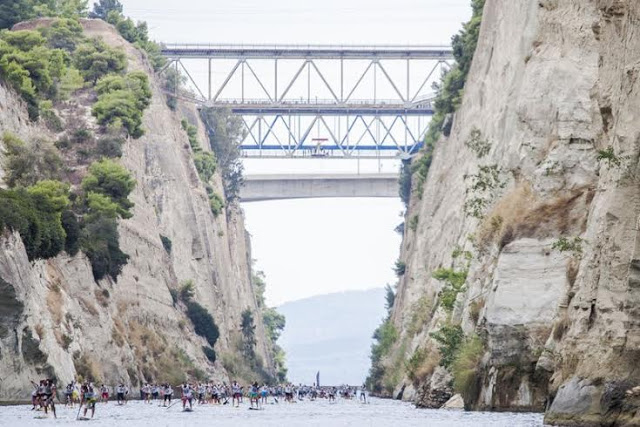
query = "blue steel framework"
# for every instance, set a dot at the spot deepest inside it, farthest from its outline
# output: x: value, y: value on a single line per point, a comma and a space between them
x: 375, y: 120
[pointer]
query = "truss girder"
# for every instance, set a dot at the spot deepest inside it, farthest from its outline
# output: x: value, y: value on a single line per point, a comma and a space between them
x: 348, y: 141
x: 374, y: 127
x: 270, y: 97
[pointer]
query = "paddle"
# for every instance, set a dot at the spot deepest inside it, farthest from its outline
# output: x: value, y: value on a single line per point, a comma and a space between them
x: 79, y: 408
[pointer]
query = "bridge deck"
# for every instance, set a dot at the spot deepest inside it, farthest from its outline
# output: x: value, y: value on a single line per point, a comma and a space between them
x: 322, y: 177
x: 280, y: 187
x: 305, y: 109
x: 303, y: 52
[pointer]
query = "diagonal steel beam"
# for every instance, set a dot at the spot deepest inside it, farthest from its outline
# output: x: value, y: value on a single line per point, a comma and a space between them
x: 325, y: 81
x: 266, y: 92
x: 293, y: 80
x: 250, y: 129
x: 226, y: 81
x: 270, y: 131
x: 359, y: 81
x: 290, y: 132
x: 204, y: 98
x: 335, y: 140
x: 384, y: 71
x: 388, y: 130
x: 349, y: 129
x: 308, y: 131
x: 408, y: 129
x: 425, y: 81
x: 368, y: 129
x: 168, y: 64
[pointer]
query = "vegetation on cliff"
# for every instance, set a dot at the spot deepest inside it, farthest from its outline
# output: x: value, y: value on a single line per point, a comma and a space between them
x: 46, y: 66
x: 274, y: 324
x: 225, y: 134
x: 389, y: 358
x: 15, y: 11
x: 206, y: 164
x: 385, y: 337
x: 449, y: 91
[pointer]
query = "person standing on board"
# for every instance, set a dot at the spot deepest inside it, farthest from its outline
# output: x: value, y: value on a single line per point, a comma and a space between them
x: 88, y: 397
x: 187, y: 396
x: 104, y: 393
x: 168, y: 394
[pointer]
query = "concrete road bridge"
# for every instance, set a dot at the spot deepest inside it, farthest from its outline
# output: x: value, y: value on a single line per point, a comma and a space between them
x: 294, y: 186
x: 317, y: 101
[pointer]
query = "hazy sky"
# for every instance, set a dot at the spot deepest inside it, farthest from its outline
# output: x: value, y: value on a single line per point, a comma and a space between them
x: 302, y: 21
x: 311, y: 247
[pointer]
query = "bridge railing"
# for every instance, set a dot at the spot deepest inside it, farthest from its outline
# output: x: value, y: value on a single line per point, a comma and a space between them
x: 323, y: 102
x: 304, y: 47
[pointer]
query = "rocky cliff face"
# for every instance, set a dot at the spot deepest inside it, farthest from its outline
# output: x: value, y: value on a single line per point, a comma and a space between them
x: 57, y: 320
x: 538, y: 181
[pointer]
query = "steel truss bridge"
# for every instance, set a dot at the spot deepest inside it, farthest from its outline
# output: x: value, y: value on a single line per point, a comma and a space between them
x: 315, y: 110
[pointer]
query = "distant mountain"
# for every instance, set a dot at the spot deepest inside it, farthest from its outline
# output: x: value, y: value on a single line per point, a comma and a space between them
x: 331, y: 334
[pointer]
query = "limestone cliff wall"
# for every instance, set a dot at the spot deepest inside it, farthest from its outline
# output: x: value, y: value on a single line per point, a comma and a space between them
x: 553, y: 83
x: 53, y: 313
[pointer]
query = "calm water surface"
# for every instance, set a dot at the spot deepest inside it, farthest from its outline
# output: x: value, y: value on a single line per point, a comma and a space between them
x: 319, y: 413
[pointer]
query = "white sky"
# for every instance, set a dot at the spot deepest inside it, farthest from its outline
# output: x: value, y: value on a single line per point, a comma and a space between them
x: 312, y: 247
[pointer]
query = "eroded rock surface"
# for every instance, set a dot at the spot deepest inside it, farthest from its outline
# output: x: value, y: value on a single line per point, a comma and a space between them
x: 553, y: 85
x: 54, y: 315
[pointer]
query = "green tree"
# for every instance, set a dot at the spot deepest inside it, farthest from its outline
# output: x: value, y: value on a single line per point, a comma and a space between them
x: 30, y: 67
x: 122, y: 101
x: 26, y: 164
x: 450, y: 339
x: 192, y: 133
x: 225, y: 135
x: 102, y: 9
x: 248, y: 329
x: 24, y: 40
x: 119, y: 110
x: 107, y: 187
x: 137, y: 34
x: 405, y: 183
x: 136, y: 82
x: 274, y: 323
x: 110, y: 179
x: 72, y: 230
x: 172, y: 82
x: 101, y: 206
x: 215, y: 203
x: 205, y: 163
x: 63, y: 33
x: 100, y: 241
x: 36, y: 218
x: 14, y: 11
x: 71, y: 8
x: 203, y: 322
x: 400, y: 267
x: 259, y: 286
x: 53, y: 194
x: 95, y: 59
x: 454, y: 284
x: 390, y: 298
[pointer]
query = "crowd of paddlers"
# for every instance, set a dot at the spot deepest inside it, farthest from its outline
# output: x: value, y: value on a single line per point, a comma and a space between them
x: 88, y: 394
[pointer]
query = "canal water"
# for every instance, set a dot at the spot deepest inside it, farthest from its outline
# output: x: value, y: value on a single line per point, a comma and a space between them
x: 304, y: 413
